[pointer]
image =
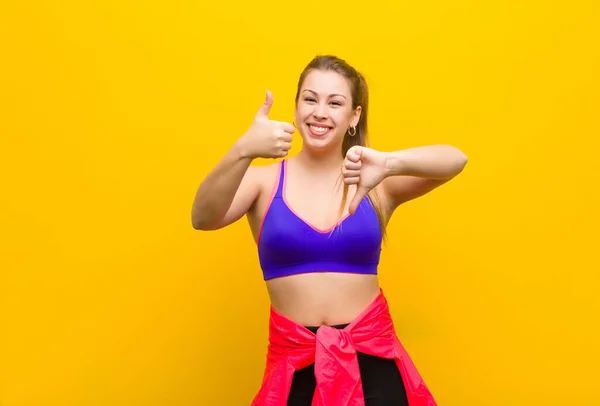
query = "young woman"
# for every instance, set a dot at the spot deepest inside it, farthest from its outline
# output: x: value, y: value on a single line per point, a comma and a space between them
x: 331, y: 338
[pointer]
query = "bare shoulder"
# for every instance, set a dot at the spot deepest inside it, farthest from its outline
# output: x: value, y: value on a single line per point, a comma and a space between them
x: 265, y: 177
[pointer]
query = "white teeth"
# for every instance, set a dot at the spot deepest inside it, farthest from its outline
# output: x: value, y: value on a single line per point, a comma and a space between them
x: 319, y: 129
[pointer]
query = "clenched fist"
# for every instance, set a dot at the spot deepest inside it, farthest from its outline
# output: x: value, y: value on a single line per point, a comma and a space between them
x: 267, y: 138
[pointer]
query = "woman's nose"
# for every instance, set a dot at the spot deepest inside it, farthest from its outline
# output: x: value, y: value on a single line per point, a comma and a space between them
x: 320, y: 111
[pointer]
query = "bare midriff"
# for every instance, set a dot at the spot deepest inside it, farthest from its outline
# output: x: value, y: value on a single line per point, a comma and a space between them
x: 322, y: 298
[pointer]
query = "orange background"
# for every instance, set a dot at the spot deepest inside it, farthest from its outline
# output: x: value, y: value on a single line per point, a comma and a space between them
x: 112, y: 112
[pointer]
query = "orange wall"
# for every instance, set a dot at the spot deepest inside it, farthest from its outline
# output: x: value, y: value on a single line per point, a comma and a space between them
x: 112, y: 112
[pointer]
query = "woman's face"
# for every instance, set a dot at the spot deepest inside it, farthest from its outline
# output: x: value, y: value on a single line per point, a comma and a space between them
x: 324, y: 110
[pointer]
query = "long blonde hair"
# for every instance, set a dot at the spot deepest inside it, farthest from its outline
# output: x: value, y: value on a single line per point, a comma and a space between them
x: 360, y: 97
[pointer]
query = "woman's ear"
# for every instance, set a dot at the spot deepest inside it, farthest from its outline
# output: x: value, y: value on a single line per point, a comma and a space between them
x: 356, y: 116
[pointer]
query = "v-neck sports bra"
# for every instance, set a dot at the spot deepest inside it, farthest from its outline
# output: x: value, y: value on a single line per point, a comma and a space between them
x: 289, y: 245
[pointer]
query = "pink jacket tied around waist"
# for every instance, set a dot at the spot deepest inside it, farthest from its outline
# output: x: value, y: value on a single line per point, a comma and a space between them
x: 333, y: 351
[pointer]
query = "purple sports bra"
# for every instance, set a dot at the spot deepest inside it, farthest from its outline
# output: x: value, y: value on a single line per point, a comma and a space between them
x: 288, y: 245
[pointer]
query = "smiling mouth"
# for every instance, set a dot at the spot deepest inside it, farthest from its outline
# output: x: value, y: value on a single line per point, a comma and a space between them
x: 318, y: 129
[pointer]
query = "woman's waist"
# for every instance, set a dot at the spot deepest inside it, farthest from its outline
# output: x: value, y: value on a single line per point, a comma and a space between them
x: 323, y: 298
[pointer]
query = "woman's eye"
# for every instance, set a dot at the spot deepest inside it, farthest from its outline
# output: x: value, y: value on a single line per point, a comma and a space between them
x: 312, y: 100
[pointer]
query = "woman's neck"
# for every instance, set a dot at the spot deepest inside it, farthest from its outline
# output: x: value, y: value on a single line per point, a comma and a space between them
x: 325, y: 161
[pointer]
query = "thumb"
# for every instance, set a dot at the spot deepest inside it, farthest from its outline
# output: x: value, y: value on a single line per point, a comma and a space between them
x: 360, y: 194
x: 266, y: 106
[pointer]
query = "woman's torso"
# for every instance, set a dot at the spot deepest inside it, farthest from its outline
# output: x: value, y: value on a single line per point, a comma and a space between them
x: 314, y: 298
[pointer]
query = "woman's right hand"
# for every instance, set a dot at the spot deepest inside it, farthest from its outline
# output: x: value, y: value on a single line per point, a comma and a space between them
x: 266, y: 138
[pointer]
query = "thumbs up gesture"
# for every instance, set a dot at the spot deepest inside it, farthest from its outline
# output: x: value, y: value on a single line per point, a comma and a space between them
x: 267, y: 138
x: 365, y: 168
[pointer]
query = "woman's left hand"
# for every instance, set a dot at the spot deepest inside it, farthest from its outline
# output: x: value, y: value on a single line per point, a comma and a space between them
x: 365, y: 168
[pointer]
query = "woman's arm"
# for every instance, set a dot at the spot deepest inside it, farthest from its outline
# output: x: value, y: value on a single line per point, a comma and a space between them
x: 227, y: 192
x: 413, y: 172
x: 232, y: 187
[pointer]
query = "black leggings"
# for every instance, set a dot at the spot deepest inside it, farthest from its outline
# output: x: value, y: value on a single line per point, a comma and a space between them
x: 381, y: 381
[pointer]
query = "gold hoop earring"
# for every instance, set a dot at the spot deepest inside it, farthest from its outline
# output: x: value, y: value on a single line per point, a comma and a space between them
x: 353, y: 133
